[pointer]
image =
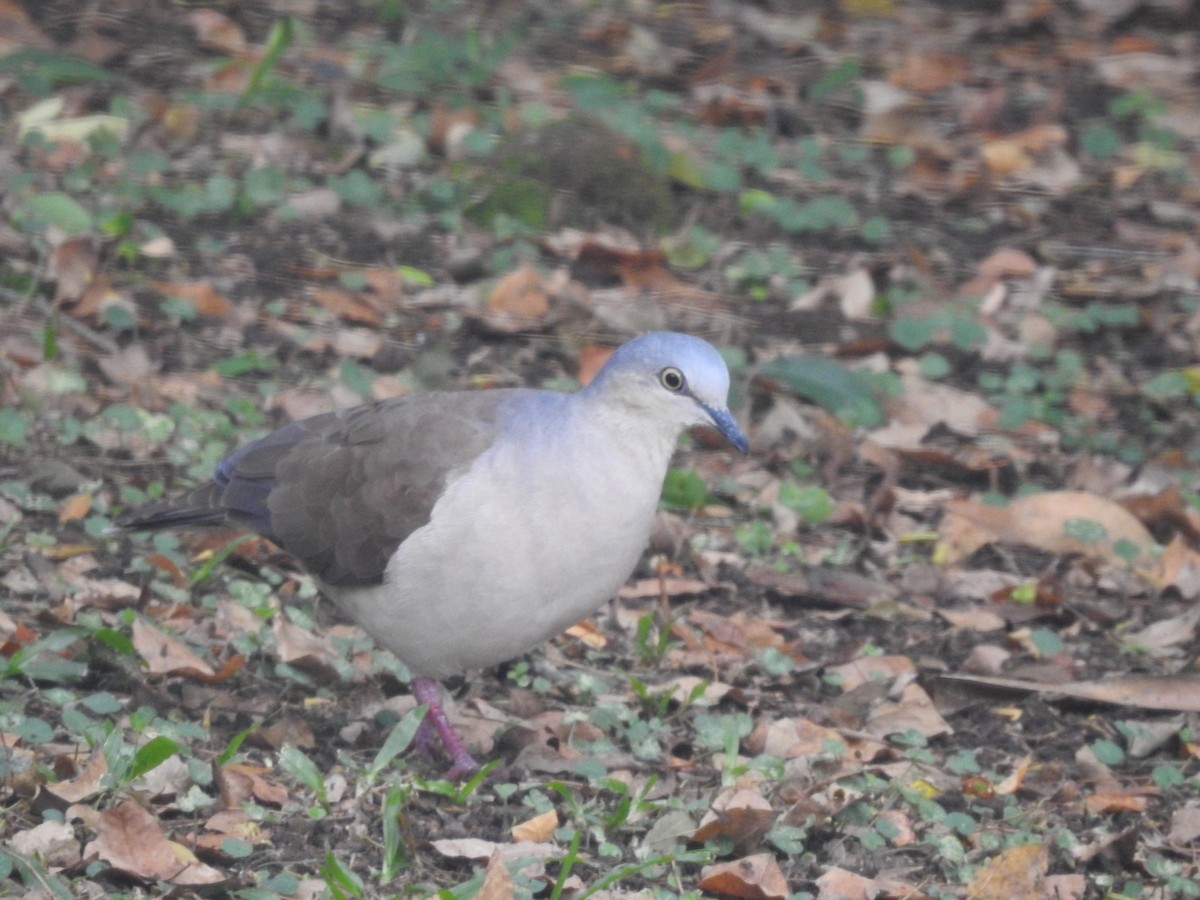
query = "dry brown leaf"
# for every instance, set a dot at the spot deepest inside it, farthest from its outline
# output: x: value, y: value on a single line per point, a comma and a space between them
x: 914, y: 711
x: 872, y: 668
x: 742, y: 815
x: 1176, y: 693
x: 591, y: 360
x: 739, y: 631
x: 287, y: 730
x: 1179, y: 567
x: 1166, y: 633
x: 497, y: 882
x: 1013, y: 782
x: 74, y: 508
x: 51, y: 842
x: 131, y: 840
x: 164, y: 655
x: 216, y: 31
x: 929, y: 72
x: 1005, y: 157
x: 479, y: 850
x: 1045, y: 521
x: 663, y: 587
x: 354, y: 306
x: 587, y: 632
x: 83, y: 785
x: 1012, y: 874
x: 1008, y: 262
x: 1066, y: 887
x: 1185, y: 824
x: 72, y: 266
x: 239, y: 782
x: 841, y: 884
x: 17, y: 30
x: 753, y: 877
x: 1115, y: 800
x: 796, y: 738
x: 539, y: 829
x: 519, y: 300
x: 854, y: 293
x: 301, y: 648
x: 927, y: 403
x: 206, y: 299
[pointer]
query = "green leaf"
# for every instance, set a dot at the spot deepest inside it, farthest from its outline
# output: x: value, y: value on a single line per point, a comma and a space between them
x: 294, y: 761
x: 826, y: 382
x: 876, y: 230
x: 58, y: 209
x: 50, y: 341
x: 414, y: 276
x: 54, y: 67
x: 913, y: 334
x: 933, y: 365
x: 151, y: 755
x: 102, y: 703
x: 341, y: 881
x: 1166, y: 386
x: 13, y: 427
x: 244, y: 363
x: 278, y: 41
x: 397, y: 742
x: 1047, y: 642
x: 684, y: 489
x: 813, y: 503
x: 236, y: 848
x: 1108, y: 752
x: 1087, y: 530
x: 393, y: 834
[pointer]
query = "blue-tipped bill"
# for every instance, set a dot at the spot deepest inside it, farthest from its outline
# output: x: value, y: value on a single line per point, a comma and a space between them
x: 723, y: 421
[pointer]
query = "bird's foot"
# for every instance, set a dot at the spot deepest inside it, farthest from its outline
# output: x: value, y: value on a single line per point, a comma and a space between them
x: 463, y: 764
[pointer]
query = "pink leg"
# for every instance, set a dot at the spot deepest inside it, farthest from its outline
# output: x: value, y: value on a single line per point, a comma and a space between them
x: 427, y: 692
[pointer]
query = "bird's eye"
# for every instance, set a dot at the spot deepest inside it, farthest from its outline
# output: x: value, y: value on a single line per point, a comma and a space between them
x: 672, y: 379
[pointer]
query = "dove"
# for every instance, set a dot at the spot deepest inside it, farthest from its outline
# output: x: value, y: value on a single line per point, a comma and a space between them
x: 461, y: 529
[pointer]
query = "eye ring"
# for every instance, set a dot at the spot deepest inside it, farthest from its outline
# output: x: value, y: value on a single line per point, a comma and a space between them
x: 672, y: 379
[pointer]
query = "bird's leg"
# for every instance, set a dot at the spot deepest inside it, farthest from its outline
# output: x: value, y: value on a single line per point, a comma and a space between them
x: 427, y: 692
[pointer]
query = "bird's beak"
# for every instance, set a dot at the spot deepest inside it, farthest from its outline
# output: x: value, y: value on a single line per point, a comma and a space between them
x: 723, y: 421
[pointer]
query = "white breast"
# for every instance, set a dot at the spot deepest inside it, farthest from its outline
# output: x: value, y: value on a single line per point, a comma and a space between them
x: 530, y: 540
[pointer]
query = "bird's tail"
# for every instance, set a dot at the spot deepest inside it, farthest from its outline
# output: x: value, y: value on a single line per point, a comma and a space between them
x: 200, y: 508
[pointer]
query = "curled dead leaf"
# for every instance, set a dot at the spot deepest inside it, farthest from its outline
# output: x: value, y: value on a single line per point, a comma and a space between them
x: 755, y: 877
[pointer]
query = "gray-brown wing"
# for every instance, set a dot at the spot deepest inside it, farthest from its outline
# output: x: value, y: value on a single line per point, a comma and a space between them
x: 341, y: 491
x: 344, y: 497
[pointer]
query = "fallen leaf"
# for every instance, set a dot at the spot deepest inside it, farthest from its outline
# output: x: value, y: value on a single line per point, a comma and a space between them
x: 74, y: 508
x: 216, y: 31
x: 872, y: 668
x: 239, y: 782
x: 914, y: 711
x: 497, y: 882
x: 741, y: 815
x: 1115, y: 801
x: 165, y: 655
x: 752, y: 877
x: 205, y: 298
x: 53, y: 843
x: 841, y: 884
x: 1057, y: 521
x: 1185, y: 824
x: 83, y: 785
x: 1176, y: 693
x: 519, y: 301
x: 539, y: 829
x: 131, y: 840
x: 1012, y: 874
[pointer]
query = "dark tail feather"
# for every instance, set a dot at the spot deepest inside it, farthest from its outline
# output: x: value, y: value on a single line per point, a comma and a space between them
x: 200, y: 508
